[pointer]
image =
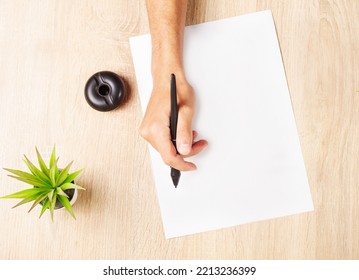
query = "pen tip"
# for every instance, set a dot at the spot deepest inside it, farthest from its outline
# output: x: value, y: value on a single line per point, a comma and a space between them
x: 175, y: 175
x: 175, y: 181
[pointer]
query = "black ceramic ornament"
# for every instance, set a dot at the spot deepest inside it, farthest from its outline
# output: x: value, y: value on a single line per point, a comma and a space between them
x: 105, y: 91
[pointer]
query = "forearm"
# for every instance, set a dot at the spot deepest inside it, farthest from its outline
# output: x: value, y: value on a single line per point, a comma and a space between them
x: 167, y: 20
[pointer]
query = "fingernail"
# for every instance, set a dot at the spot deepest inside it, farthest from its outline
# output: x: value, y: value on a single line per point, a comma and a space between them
x: 184, y: 149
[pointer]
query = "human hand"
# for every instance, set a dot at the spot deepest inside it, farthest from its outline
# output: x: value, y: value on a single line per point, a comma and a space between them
x: 155, y: 127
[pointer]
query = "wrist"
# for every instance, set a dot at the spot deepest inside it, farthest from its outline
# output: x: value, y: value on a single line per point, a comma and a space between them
x: 166, y: 59
x: 161, y: 76
x: 162, y: 70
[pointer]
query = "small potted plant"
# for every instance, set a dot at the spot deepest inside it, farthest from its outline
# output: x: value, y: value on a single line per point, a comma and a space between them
x: 53, y: 188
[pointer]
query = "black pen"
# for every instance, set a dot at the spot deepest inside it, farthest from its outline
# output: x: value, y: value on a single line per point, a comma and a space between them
x: 175, y: 174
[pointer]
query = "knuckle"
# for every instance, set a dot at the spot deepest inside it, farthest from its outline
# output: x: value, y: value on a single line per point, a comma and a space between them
x: 148, y: 130
x: 184, y: 131
x: 186, y: 88
x: 168, y: 160
x: 186, y: 108
x: 187, y: 111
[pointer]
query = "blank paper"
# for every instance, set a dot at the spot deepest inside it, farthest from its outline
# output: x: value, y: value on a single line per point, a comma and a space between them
x: 253, y: 168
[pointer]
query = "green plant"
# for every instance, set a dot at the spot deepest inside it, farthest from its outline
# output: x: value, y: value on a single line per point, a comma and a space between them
x: 50, y: 184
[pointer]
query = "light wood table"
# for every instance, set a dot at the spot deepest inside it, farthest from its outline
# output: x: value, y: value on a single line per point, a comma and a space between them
x: 48, y: 50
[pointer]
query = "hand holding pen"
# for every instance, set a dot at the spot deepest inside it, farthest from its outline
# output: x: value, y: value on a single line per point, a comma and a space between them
x: 155, y: 127
x: 167, y: 21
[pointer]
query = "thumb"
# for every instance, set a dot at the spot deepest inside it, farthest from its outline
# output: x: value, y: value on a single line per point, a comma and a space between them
x: 184, y: 131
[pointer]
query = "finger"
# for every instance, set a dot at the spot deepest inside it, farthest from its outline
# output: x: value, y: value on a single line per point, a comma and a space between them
x: 180, y: 164
x: 184, y: 130
x: 197, y: 147
x: 171, y: 158
x: 160, y: 139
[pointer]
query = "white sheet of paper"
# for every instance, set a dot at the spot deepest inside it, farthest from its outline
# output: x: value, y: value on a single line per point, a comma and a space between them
x: 253, y: 168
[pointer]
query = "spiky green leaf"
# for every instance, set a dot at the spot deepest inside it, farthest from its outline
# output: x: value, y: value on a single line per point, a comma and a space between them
x: 24, y: 175
x: 68, y: 186
x: 51, y: 211
x: 52, y: 157
x: 37, y: 201
x: 63, y: 174
x: 66, y: 203
x: 53, y: 175
x: 21, y: 173
x: 24, y: 193
x: 42, y: 164
x: 37, y: 172
x: 25, y: 200
x: 57, y: 173
x: 52, y: 205
x: 50, y: 195
x: 59, y: 191
x: 29, y: 199
x: 44, y: 207
x: 42, y: 194
x: 36, y: 183
x: 72, y: 176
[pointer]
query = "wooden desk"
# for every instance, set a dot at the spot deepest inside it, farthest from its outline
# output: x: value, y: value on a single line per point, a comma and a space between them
x: 49, y: 49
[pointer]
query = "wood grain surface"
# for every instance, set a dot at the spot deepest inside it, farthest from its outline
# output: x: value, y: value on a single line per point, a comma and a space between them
x: 48, y: 50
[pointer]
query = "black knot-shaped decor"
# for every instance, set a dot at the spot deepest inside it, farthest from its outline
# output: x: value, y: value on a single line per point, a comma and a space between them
x: 105, y: 91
